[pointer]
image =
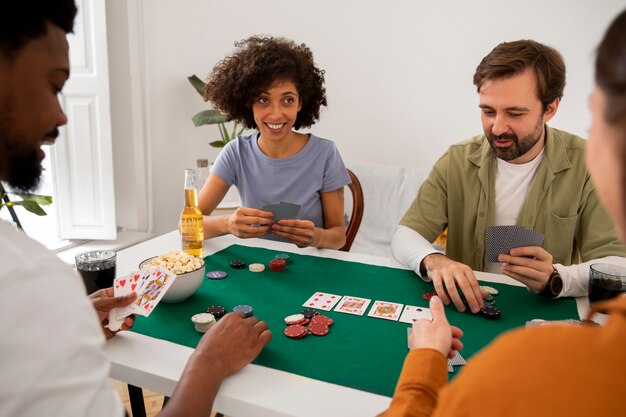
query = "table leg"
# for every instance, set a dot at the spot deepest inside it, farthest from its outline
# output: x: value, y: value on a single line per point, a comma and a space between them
x: 137, y: 405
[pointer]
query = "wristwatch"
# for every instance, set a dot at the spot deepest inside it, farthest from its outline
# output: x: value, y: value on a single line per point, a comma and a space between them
x: 554, y: 286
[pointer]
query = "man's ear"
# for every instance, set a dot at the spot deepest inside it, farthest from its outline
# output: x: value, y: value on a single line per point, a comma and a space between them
x: 551, y: 110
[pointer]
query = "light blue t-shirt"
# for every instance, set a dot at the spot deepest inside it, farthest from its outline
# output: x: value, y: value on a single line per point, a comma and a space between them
x: 316, y: 168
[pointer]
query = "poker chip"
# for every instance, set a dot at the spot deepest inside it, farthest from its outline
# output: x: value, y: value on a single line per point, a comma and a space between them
x: 427, y: 296
x: 308, y: 313
x: 489, y: 298
x: 489, y: 312
x: 296, y: 331
x: 320, y: 319
x: 245, y: 309
x: 256, y: 267
x: 237, y: 264
x: 318, y: 329
x: 216, y: 275
x: 203, y: 321
x: 277, y: 265
x: 489, y: 290
x: 294, y: 318
x: 284, y: 257
x: 217, y: 311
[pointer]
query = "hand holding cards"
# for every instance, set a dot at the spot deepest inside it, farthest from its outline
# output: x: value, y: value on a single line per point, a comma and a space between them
x: 501, y: 239
x: 149, y: 284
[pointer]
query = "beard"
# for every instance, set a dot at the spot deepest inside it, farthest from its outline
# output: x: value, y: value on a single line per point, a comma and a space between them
x: 19, y: 167
x: 519, y: 146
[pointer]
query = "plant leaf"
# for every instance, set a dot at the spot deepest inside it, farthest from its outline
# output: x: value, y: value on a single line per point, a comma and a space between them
x: 31, y: 206
x: 217, y: 144
x: 198, y: 84
x: 208, y: 117
x: 43, y: 200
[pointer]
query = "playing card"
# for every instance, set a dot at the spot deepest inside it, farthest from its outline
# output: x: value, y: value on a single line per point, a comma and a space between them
x: 322, y: 301
x: 457, y: 359
x: 385, y: 310
x: 412, y: 313
x: 121, y: 287
x: 156, y: 281
x: 283, y: 210
x: 501, y: 239
x: 353, y: 305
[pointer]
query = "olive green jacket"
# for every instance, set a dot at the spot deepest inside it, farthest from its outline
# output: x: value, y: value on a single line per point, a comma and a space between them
x: 561, y: 203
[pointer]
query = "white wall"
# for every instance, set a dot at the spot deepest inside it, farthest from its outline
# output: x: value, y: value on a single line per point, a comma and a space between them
x: 398, y: 73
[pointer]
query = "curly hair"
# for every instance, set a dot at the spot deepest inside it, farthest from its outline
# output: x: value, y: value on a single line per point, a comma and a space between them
x: 511, y: 58
x: 254, y: 67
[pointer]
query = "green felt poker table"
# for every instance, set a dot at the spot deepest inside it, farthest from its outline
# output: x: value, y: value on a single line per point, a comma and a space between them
x: 360, y: 352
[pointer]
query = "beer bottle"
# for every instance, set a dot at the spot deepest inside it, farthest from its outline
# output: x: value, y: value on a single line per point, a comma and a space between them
x: 191, y: 225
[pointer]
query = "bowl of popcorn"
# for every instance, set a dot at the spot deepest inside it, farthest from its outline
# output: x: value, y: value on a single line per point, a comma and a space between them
x: 189, y: 272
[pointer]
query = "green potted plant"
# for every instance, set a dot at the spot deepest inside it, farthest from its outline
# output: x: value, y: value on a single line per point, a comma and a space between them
x: 212, y: 116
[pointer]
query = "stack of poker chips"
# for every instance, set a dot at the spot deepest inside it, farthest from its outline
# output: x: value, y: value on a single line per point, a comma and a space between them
x: 237, y: 264
x: 203, y: 321
x: 318, y: 325
x: 284, y: 257
x: 245, y: 309
x: 217, y: 311
x: 277, y: 265
x: 256, y: 267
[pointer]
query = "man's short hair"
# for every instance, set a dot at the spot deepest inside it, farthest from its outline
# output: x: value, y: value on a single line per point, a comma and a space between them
x: 25, y: 20
x: 512, y: 58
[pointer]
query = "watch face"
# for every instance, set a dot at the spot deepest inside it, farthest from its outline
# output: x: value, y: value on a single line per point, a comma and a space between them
x: 556, y: 284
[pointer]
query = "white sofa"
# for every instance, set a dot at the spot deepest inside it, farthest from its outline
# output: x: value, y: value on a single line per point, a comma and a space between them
x: 388, y: 191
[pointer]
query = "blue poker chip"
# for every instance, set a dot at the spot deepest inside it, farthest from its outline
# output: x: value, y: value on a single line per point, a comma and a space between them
x: 216, y: 275
x: 245, y: 309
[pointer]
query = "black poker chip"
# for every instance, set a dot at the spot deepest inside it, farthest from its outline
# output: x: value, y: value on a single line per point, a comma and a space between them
x: 308, y: 313
x: 237, y: 264
x: 489, y: 312
x: 217, y: 311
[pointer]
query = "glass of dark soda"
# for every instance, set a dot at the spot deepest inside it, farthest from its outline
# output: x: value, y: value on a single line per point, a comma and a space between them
x: 606, y: 281
x: 97, y: 267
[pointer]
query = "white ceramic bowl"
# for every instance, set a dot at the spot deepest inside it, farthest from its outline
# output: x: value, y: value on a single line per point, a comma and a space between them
x: 184, y: 285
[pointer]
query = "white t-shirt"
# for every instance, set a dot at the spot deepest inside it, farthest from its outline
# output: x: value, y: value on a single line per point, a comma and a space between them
x: 51, y: 344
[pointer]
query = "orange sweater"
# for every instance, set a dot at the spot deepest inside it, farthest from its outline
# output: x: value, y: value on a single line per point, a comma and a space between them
x: 552, y: 370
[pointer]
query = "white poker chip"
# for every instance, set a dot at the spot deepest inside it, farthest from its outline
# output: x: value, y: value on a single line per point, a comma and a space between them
x: 489, y: 290
x: 256, y: 267
x: 294, y: 318
x: 203, y: 321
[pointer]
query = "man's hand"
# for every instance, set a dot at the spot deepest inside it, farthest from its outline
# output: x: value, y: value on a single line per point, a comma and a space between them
x: 436, y: 334
x: 248, y: 222
x: 299, y: 232
x: 104, y: 301
x: 448, y: 275
x: 234, y: 342
x: 530, y: 265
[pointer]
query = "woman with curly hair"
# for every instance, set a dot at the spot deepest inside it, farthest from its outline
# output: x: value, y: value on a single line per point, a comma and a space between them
x: 274, y: 86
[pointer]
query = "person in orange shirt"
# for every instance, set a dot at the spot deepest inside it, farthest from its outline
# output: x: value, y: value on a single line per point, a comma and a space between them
x: 568, y: 370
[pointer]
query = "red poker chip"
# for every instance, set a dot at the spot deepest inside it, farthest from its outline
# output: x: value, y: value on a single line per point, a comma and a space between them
x: 427, y: 296
x: 321, y: 319
x: 277, y: 265
x: 318, y: 329
x: 295, y: 331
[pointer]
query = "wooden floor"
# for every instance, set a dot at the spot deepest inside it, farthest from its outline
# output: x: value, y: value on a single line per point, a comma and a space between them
x: 152, y: 400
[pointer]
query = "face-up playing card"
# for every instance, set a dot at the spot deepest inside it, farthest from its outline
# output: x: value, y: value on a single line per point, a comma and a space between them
x: 156, y: 281
x: 412, y: 313
x: 385, y: 310
x: 353, y: 305
x: 121, y: 287
x: 322, y: 301
x: 501, y: 239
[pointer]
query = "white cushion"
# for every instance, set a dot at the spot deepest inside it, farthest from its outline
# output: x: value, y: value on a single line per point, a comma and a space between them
x: 388, y: 191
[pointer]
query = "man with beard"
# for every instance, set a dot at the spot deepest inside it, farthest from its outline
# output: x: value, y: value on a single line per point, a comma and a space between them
x: 519, y: 172
x: 52, y: 343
